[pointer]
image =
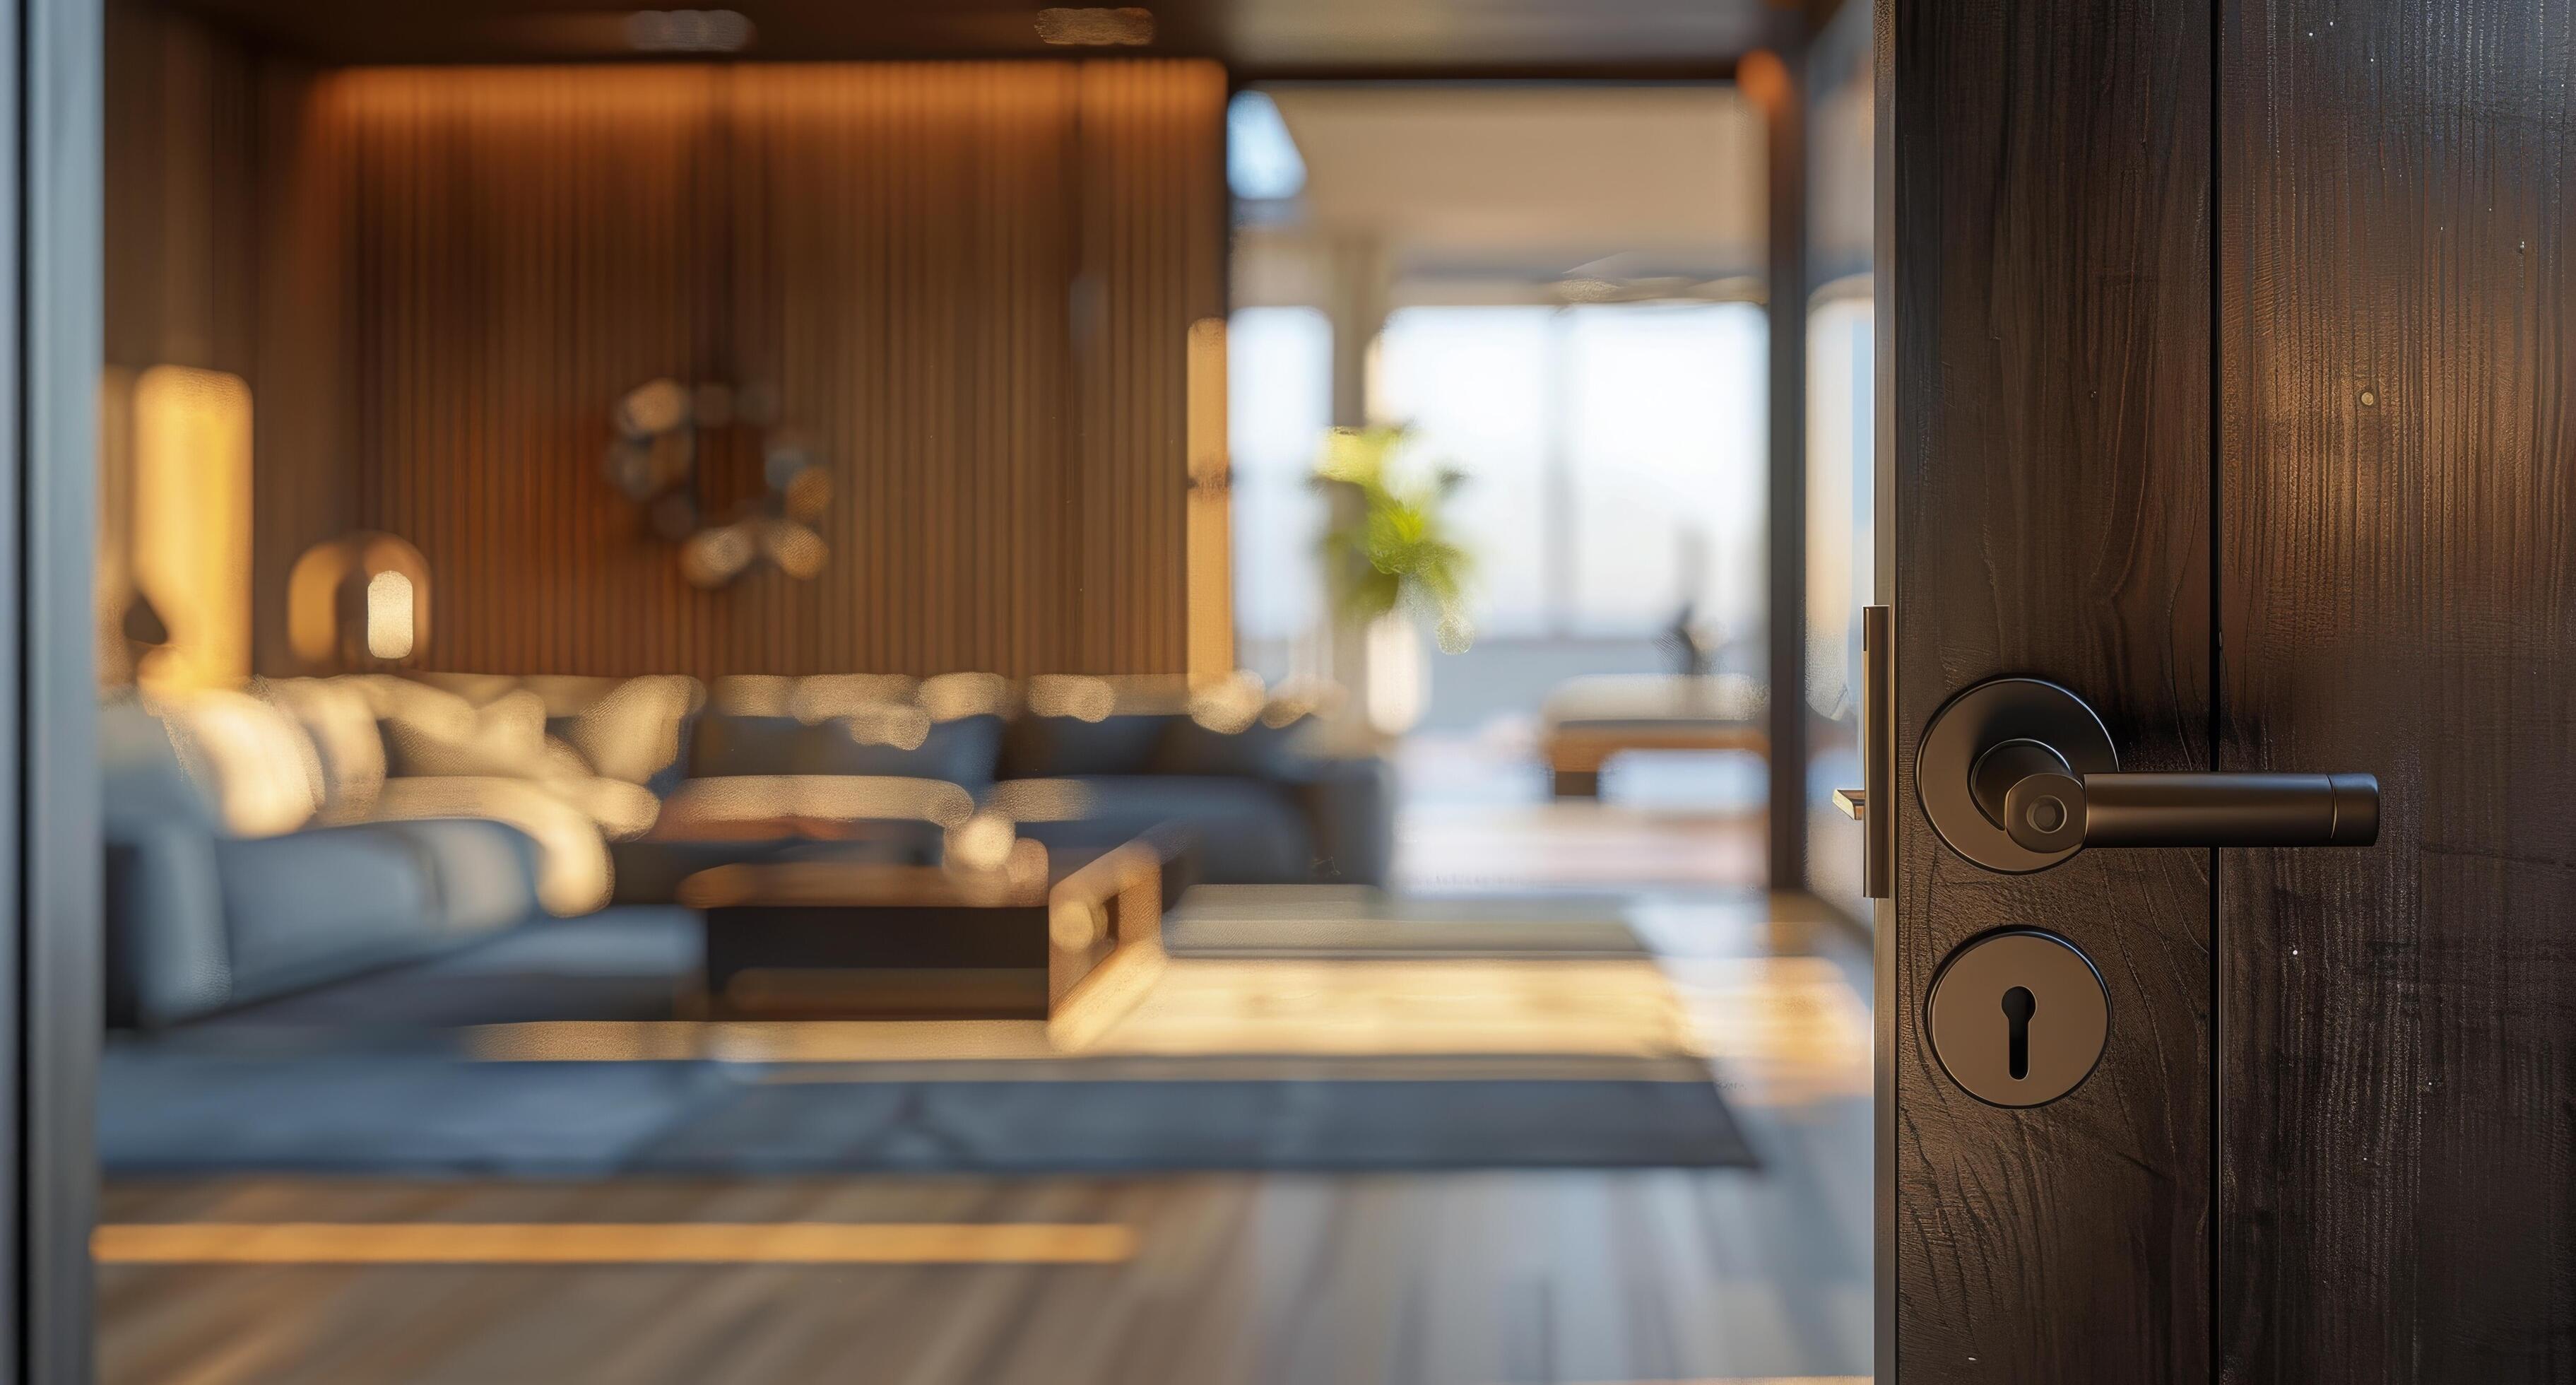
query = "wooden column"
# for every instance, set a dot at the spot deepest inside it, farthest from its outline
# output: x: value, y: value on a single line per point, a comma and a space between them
x: 1775, y: 81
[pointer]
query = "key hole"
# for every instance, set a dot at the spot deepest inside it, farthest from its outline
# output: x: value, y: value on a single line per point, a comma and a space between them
x: 2019, y: 1006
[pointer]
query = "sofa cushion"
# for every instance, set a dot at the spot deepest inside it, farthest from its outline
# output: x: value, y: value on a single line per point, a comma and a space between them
x: 1246, y: 832
x: 729, y: 745
x: 312, y: 906
x: 894, y: 739
x: 572, y: 855
x: 1080, y: 725
x: 1257, y: 751
x: 1052, y: 747
x: 141, y: 779
x: 1349, y: 804
x: 167, y: 956
x: 903, y: 740
x: 483, y: 874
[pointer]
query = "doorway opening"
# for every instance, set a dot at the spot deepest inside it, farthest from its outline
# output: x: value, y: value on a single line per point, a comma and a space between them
x: 1092, y: 698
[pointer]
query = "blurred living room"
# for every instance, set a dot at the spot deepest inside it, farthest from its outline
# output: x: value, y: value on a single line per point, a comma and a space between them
x: 978, y: 693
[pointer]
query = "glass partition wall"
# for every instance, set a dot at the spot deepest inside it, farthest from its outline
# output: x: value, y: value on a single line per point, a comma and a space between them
x: 773, y: 711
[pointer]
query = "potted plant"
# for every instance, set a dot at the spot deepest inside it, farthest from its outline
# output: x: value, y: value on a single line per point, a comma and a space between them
x: 1390, y: 558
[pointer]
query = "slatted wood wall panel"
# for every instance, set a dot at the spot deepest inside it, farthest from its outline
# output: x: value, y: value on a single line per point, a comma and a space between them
x: 1151, y: 251
x: 179, y: 110
x: 971, y: 283
x: 304, y: 412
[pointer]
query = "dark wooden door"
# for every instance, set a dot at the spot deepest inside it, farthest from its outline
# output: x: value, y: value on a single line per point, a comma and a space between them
x: 2397, y: 592
x: 2229, y: 379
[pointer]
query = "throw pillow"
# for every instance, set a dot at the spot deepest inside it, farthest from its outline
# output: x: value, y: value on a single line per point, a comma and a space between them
x: 433, y: 733
x: 632, y: 733
x: 350, y: 750
x: 251, y: 759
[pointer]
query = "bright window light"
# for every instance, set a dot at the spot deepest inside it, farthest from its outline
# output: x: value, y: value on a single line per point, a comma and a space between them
x: 1261, y: 160
x: 1279, y: 386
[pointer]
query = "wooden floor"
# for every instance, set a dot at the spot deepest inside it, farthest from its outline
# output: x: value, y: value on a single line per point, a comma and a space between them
x: 1479, y: 1278
x: 1480, y: 818
x: 1465, y: 1278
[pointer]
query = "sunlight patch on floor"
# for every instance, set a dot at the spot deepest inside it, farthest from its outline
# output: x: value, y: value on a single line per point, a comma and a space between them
x: 1616, y: 1007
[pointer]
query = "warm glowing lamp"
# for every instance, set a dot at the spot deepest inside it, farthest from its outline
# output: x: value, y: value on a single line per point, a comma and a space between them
x: 356, y: 602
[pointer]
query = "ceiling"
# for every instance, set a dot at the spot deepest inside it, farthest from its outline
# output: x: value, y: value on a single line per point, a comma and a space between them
x: 1255, y: 36
x: 1481, y: 190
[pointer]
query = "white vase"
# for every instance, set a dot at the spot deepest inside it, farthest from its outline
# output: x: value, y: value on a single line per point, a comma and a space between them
x: 1397, y: 674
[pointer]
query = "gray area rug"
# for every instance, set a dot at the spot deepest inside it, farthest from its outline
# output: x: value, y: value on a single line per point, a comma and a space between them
x: 632, y: 963
x: 169, y: 1109
x: 368, y: 1076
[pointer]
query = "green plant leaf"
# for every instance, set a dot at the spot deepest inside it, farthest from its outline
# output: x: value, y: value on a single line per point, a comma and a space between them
x: 1389, y: 545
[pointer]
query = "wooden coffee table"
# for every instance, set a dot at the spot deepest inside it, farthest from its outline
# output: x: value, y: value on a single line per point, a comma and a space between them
x: 859, y: 939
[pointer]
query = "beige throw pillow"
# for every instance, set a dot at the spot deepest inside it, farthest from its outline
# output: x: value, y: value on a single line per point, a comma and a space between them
x: 431, y: 733
x: 251, y: 759
x: 632, y: 733
x: 340, y: 721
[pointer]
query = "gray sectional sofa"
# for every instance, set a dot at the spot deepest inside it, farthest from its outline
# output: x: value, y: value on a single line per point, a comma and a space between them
x: 443, y: 808
x: 201, y: 919
x: 1064, y: 762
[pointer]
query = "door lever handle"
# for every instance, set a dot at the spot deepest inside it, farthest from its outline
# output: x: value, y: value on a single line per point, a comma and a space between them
x: 2059, y: 812
x: 2018, y: 774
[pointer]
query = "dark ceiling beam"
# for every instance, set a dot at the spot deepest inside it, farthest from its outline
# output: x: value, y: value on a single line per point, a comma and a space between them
x: 1661, y: 70
x: 1547, y: 40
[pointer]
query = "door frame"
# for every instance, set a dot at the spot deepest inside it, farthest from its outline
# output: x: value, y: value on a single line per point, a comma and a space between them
x: 49, y: 849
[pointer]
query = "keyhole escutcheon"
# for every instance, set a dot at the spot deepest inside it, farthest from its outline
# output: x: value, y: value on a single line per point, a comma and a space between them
x: 2012, y: 971
x: 2019, y: 1006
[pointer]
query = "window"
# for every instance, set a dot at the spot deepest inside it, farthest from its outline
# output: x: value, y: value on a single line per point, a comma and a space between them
x: 1476, y: 384
x: 1279, y: 366
x: 1615, y: 456
x: 1667, y: 435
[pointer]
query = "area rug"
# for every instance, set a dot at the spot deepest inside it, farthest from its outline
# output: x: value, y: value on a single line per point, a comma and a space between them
x: 171, y: 1109
x: 1303, y: 1030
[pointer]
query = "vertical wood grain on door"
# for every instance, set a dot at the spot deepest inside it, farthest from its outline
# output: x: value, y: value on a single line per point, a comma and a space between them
x: 2044, y: 254
x: 2398, y: 595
